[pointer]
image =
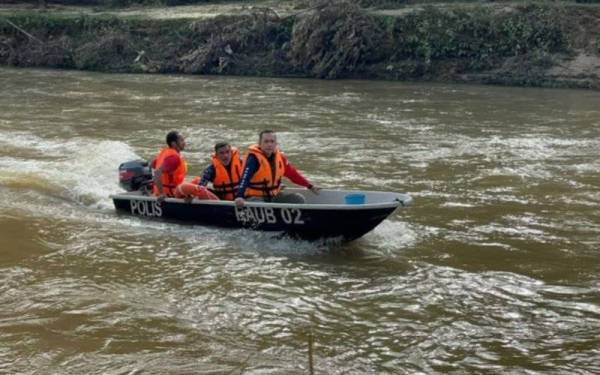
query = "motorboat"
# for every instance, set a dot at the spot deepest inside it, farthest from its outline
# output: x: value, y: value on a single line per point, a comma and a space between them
x: 343, y: 214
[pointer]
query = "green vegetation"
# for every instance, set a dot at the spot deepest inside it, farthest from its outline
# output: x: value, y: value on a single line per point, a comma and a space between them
x: 478, y: 36
x: 117, y: 3
x: 338, y: 40
x: 412, y: 46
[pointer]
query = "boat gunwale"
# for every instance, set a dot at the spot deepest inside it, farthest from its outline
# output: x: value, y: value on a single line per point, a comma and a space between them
x: 306, y: 206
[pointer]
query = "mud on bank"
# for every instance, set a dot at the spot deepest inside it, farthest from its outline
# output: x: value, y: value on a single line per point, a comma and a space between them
x: 530, y: 44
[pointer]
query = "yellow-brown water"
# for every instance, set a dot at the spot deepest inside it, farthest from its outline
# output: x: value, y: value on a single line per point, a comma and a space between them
x: 495, y: 269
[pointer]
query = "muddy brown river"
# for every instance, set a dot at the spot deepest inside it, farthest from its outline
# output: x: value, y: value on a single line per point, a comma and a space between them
x: 494, y: 269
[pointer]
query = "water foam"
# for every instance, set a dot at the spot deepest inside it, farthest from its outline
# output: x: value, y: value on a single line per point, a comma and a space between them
x: 81, y: 170
x: 395, y: 235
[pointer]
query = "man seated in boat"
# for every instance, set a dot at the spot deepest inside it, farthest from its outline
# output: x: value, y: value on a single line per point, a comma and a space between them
x: 224, y: 172
x: 264, y: 166
x: 169, y: 173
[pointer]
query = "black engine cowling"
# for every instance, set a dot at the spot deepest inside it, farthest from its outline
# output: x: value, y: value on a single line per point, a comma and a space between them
x: 135, y: 175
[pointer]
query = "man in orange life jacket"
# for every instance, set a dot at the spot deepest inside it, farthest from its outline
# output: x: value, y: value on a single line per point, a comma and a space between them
x: 264, y: 166
x: 224, y: 172
x: 169, y: 173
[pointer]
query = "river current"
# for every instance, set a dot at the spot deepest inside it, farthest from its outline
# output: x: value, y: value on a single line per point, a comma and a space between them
x: 494, y: 269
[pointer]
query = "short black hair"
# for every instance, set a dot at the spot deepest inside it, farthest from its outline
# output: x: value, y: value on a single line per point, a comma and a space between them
x: 267, y: 131
x: 172, y: 137
x: 219, y: 145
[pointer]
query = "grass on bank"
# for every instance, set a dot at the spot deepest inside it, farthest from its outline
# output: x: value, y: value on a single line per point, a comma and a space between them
x: 298, y: 4
x: 340, y: 40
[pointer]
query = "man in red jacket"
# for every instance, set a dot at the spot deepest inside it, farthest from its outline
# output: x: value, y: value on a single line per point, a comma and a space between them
x: 264, y: 166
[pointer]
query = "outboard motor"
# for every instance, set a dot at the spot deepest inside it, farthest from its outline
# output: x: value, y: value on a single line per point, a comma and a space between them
x: 135, y: 175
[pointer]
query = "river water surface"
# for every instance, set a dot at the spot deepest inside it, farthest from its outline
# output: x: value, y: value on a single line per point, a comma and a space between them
x: 494, y: 269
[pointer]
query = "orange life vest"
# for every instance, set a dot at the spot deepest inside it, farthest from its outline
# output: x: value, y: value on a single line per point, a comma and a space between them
x: 226, y: 181
x: 266, y: 182
x: 170, y: 180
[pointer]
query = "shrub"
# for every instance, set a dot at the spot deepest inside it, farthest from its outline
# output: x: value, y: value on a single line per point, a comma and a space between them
x: 335, y: 41
x: 478, y: 35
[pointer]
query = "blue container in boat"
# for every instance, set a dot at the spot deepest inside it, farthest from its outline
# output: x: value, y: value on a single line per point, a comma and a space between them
x: 355, y: 199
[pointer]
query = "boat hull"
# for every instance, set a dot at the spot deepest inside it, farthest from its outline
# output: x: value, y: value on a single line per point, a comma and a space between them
x: 307, y: 221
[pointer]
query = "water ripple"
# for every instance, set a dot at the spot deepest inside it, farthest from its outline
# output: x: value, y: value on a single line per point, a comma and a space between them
x: 493, y: 270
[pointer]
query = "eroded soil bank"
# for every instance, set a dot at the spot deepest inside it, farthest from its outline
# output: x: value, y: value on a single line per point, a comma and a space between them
x: 555, y: 45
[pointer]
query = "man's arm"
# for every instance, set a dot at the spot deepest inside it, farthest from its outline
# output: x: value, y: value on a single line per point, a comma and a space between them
x: 158, y: 182
x: 208, y: 175
x: 249, y: 171
x: 296, y: 177
x: 169, y: 165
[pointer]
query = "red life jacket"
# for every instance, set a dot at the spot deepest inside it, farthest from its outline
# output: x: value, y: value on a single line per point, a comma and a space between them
x: 170, y: 180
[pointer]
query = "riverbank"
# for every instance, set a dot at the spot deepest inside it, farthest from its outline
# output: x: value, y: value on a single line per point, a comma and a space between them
x: 551, y: 45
